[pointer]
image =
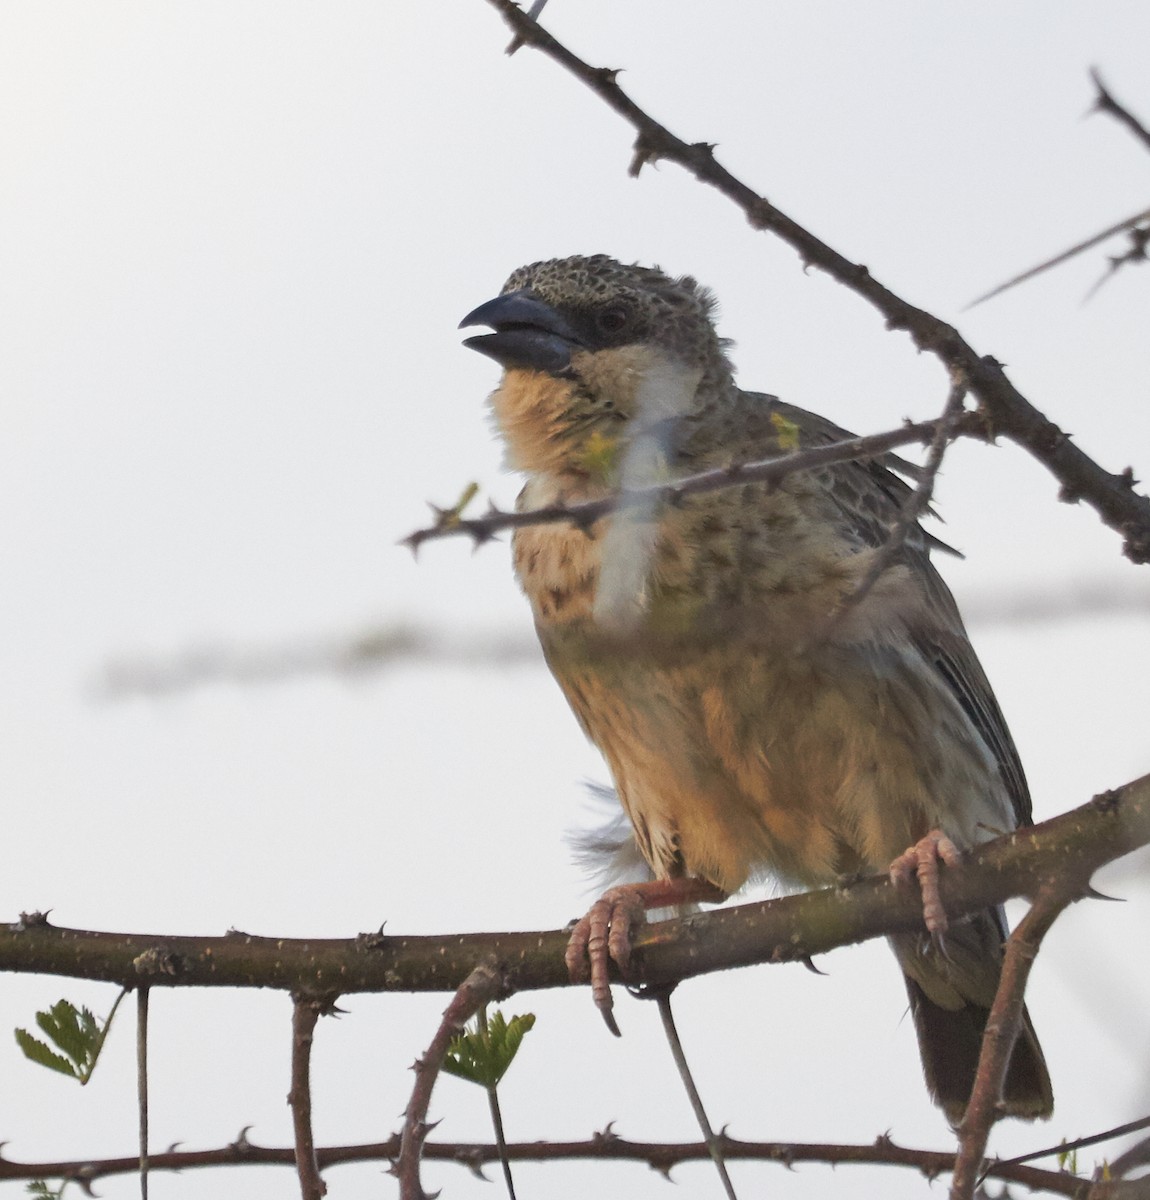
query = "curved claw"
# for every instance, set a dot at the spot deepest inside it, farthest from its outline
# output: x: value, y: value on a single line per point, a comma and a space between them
x: 604, y: 934
x: 921, y: 861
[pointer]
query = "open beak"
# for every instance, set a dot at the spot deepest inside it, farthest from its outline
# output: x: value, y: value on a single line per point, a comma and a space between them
x: 528, y: 333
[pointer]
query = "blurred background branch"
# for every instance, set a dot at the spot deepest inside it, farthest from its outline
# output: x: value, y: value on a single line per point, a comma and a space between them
x: 401, y: 643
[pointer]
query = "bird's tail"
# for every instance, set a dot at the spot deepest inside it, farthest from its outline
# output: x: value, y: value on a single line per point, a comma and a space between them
x: 951, y: 991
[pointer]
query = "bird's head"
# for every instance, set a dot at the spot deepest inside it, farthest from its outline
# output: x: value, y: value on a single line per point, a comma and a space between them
x: 594, y: 350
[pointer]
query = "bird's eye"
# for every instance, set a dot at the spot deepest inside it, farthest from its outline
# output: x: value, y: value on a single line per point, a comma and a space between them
x: 613, y: 319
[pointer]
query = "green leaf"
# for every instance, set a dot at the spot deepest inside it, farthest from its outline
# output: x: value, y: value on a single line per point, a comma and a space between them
x: 482, y: 1055
x: 38, y: 1052
x: 76, y: 1033
x: 42, y: 1191
x: 448, y: 518
x: 74, y: 1030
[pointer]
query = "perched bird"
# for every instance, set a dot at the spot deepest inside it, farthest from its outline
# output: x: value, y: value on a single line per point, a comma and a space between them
x: 757, y: 717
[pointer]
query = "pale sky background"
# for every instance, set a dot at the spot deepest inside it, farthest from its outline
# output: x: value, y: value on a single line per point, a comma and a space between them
x: 235, y: 243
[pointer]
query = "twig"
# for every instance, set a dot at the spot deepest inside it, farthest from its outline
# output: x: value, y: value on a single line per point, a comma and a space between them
x: 492, y: 1091
x: 771, y: 471
x: 306, y: 1011
x: 915, y: 505
x: 1002, y: 1028
x: 484, y: 984
x: 1139, y: 239
x: 1137, y: 1156
x: 142, y: 1082
x: 714, y: 1144
x: 500, y: 1140
x: 1009, y: 413
x: 1059, y: 259
x: 1105, y: 102
x: 1081, y: 1143
x: 1121, y: 1189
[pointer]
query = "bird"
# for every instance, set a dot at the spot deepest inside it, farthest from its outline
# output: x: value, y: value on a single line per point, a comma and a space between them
x: 759, y: 715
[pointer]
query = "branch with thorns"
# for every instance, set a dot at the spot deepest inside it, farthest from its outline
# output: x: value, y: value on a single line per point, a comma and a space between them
x: 771, y: 471
x: 1002, y: 1029
x: 1006, y: 411
x: 306, y: 1011
x: 787, y: 929
x: 915, y: 505
x: 604, y: 1146
x: 1139, y: 233
x: 484, y: 983
x: 1053, y: 862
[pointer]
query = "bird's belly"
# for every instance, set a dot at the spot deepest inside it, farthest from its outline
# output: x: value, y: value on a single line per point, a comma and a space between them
x: 733, y: 764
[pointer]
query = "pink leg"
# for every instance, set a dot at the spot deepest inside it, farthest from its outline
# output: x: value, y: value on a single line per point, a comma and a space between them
x: 605, y: 932
x: 921, y: 861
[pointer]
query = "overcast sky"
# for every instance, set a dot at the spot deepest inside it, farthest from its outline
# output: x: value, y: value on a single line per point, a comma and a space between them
x: 235, y: 243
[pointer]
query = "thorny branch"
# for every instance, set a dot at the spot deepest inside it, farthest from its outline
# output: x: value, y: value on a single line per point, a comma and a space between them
x: 484, y: 984
x: 1081, y: 1143
x: 1137, y: 1156
x: 1129, y: 223
x: 1104, y: 102
x: 1007, y: 412
x: 1002, y: 1028
x: 915, y: 505
x: 604, y: 1146
x: 306, y: 1011
x: 771, y: 471
x: 789, y: 929
x: 1068, y: 849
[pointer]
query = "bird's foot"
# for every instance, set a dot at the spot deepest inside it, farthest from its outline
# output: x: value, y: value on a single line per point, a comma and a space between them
x: 604, y: 934
x: 920, y: 862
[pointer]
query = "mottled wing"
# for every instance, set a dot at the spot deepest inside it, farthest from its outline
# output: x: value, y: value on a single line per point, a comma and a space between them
x: 953, y: 657
x: 875, y: 480
x: 868, y: 496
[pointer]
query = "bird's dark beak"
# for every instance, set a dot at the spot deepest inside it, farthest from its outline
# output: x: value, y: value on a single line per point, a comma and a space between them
x: 528, y: 333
